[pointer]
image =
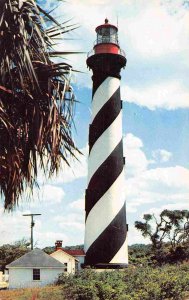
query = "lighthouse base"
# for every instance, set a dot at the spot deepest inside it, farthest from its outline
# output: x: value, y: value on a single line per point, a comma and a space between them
x: 106, y: 266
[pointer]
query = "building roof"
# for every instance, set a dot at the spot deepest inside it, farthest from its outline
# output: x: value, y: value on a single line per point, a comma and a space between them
x: 36, y: 259
x: 60, y: 250
x: 75, y: 252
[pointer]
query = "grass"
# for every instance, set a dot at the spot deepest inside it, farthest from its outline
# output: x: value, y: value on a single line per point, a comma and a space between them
x: 44, y: 293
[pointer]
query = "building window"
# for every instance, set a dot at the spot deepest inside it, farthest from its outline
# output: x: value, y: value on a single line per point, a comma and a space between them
x: 36, y: 274
x: 76, y: 266
x: 66, y: 267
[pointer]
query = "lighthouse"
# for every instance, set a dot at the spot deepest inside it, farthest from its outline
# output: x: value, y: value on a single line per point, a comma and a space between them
x: 105, y: 225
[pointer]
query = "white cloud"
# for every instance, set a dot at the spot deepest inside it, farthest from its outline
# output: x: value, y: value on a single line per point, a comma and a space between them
x: 132, y: 142
x: 173, y: 178
x: 161, y: 155
x: 78, y: 204
x: 135, y: 237
x: 168, y: 95
x: 48, y: 238
x: 136, y: 160
x: 177, y: 8
x: 146, y: 186
x: 72, y: 224
x: 47, y: 194
x: 50, y: 194
x: 169, y: 185
x: 155, y: 32
x: 13, y: 226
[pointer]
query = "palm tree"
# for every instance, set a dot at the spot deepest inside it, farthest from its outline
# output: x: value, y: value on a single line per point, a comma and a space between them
x: 36, y: 99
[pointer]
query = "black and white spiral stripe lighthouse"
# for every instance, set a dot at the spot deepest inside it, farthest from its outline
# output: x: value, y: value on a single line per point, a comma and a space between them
x: 106, y: 228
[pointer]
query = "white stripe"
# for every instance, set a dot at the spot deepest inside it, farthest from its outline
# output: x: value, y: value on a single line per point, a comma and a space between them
x: 104, y: 211
x: 104, y: 145
x: 122, y: 255
x: 103, y: 94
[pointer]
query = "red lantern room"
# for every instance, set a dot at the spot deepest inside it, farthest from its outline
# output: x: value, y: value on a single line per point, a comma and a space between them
x: 107, y: 39
x: 106, y: 55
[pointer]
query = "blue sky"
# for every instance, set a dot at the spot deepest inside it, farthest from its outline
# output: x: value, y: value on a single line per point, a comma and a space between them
x: 154, y: 88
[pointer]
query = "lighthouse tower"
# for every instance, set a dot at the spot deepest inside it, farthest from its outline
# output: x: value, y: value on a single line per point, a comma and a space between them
x: 106, y: 228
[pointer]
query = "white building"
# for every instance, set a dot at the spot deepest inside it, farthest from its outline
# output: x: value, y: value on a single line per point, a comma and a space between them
x: 3, y: 281
x: 34, y: 269
x: 69, y: 261
x: 71, y: 258
x: 78, y: 254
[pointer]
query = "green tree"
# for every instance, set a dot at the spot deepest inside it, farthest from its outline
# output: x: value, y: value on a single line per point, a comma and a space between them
x: 171, y: 226
x: 36, y: 98
x: 169, y: 235
x: 10, y: 252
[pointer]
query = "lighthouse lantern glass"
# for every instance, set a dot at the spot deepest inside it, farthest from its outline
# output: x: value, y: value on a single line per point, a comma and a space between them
x: 107, y: 34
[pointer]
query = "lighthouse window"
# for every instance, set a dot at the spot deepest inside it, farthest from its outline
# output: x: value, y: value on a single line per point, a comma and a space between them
x: 106, y: 31
x: 107, y: 35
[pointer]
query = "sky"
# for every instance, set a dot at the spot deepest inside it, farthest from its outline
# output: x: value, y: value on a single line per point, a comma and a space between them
x: 155, y: 93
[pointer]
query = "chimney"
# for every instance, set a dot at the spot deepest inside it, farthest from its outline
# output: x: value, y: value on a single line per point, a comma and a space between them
x: 58, y: 245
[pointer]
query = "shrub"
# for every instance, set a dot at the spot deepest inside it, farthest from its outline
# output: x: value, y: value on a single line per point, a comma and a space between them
x: 141, y: 283
x: 80, y: 291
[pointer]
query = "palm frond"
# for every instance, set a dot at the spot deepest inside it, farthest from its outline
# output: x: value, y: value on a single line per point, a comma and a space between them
x: 36, y: 99
x: 59, y: 53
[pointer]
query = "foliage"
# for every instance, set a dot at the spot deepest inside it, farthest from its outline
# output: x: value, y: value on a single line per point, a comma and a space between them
x: 36, y: 98
x: 140, y: 254
x: 90, y: 285
x: 142, y: 283
x: 169, y: 235
x: 170, y: 227
x: 10, y: 252
x: 51, y: 249
x: 74, y: 247
x: 167, y: 255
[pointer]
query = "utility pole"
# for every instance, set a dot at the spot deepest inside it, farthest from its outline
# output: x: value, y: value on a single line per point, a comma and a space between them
x: 32, y: 225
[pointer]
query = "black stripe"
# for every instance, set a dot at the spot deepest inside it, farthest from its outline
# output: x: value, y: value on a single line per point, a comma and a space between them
x: 104, y: 118
x: 105, y: 65
x: 105, y: 247
x: 97, y: 81
x: 104, y: 177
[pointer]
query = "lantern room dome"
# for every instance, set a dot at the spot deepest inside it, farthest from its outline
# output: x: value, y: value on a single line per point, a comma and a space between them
x: 106, y: 25
x: 107, y: 33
